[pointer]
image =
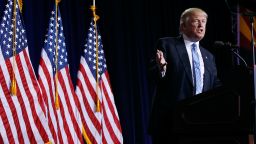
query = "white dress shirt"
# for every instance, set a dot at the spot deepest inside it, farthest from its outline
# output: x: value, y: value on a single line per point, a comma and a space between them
x: 188, y: 47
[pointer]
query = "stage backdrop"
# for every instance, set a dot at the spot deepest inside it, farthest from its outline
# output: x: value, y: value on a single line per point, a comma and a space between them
x: 129, y: 31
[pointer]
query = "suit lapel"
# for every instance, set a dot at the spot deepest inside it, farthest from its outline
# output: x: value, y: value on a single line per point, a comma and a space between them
x: 206, y: 66
x: 183, y: 56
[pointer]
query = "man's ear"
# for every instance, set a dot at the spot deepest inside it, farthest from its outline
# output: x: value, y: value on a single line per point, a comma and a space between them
x: 182, y: 27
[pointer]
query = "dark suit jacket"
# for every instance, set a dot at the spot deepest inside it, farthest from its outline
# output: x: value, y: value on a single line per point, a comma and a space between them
x: 177, y: 83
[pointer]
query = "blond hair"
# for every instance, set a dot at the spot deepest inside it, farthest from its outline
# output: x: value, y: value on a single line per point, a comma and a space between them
x: 188, y: 12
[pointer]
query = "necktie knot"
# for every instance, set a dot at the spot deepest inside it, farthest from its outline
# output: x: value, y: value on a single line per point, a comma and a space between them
x: 193, y: 46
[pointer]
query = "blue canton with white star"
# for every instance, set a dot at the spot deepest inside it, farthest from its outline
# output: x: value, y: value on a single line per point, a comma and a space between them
x: 90, y: 52
x: 7, y: 32
x: 50, y: 42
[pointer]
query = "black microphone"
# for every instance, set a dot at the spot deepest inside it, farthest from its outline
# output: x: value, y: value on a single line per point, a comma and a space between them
x: 231, y: 47
x: 249, y: 14
x: 220, y: 44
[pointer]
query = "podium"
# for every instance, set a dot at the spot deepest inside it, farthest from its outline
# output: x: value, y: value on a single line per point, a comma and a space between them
x: 219, y: 116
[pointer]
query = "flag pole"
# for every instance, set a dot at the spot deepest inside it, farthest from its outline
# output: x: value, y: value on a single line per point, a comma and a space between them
x: 95, y: 18
x: 57, y: 105
x: 13, y: 81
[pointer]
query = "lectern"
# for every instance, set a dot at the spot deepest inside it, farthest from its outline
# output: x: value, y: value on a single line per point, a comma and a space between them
x: 219, y: 116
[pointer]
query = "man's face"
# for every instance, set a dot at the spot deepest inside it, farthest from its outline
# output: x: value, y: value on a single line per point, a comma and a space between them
x: 195, y: 26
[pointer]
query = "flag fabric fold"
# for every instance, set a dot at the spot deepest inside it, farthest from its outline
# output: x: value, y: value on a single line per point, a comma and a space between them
x: 22, y: 113
x: 104, y: 126
x: 56, y: 85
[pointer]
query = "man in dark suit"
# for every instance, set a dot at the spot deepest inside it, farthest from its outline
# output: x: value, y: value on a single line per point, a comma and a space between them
x: 178, y: 80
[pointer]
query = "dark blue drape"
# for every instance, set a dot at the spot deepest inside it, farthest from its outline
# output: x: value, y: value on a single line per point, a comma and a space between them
x: 129, y: 31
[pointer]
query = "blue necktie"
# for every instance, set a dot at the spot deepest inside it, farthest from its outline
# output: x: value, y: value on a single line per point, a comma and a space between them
x: 196, y: 70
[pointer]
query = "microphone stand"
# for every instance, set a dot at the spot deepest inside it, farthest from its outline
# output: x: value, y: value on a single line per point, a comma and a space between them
x: 253, y: 98
x: 239, y: 57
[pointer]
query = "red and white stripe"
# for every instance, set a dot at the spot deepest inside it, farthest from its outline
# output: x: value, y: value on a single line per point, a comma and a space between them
x: 65, y: 123
x: 101, y: 127
x: 111, y: 125
x: 22, y: 116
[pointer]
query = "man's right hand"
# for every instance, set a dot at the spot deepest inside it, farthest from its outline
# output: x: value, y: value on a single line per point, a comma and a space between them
x: 162, y: 64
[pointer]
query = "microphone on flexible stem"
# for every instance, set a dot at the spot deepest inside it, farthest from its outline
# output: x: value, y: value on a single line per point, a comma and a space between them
x: 249, y: 14
x: 221, y: 44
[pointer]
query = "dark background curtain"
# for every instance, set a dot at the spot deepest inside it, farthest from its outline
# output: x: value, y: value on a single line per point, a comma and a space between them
x: 129, y: 31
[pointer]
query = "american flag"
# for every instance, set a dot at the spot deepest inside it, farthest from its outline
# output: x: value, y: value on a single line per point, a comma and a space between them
x: 64, y: 122
x: 104, y: 126
x: 22, y: 118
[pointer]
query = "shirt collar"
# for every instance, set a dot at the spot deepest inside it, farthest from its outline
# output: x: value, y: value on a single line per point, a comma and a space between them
x: 188, y: 42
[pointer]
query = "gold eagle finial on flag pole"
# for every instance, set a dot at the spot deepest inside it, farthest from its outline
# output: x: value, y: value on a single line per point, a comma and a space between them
x: 20, y: 3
